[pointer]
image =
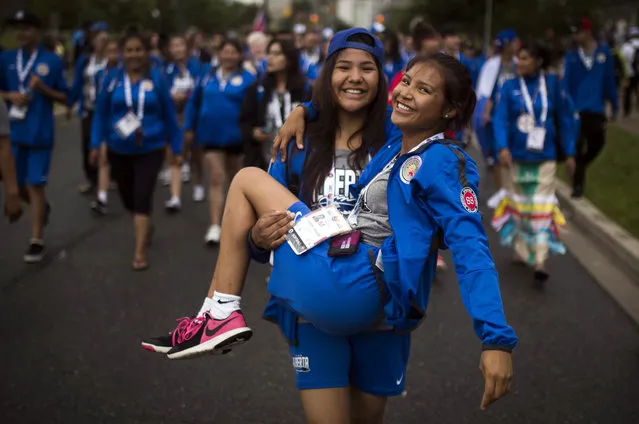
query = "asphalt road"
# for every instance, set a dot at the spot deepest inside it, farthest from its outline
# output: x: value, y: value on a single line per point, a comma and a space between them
x: 71, y: 326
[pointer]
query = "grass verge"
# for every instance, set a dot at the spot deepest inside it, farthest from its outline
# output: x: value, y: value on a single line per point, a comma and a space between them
x: 613, y: 177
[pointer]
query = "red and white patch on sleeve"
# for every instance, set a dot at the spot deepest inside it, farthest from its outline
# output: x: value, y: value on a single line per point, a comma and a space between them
x: 469, y: 200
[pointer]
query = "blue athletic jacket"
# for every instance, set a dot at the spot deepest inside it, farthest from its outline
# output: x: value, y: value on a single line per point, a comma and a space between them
x: 590, y: 88
x: 159, y: 124
x: 432, y: 198
x: 213, y: 111
x: 561, y: 125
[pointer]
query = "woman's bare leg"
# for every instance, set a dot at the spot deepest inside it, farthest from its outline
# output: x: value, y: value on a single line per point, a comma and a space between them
x: 252, y: 193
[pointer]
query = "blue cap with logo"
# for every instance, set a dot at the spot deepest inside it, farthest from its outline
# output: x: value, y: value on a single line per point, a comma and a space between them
x: 504, y: 37
x: 340, y: 42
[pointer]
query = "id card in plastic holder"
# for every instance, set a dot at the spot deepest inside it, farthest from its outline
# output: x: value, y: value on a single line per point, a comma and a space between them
x: 18, y: 113
x: 536, y: 139
x: 129, y: 124
x: 314, y: 228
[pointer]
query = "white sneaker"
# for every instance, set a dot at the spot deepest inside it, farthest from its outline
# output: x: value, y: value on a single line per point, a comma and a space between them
x: 186, y: 173
x: 198, y: 193
x: 165, y: 177
x: 213, y: 235
x: 173, y: 204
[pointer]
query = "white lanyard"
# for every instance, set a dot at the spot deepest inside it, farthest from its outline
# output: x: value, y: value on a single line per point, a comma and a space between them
x: 128, y: 97
x: 221, y: 80
x: 94, y: 66
x: 352, y: 217
x: 586, y: 60
x: 23, y: 71
x: 543, y: 92
x: 276, y: 109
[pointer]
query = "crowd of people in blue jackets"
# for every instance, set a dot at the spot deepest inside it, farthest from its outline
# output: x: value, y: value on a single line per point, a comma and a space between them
x: 289, y: 135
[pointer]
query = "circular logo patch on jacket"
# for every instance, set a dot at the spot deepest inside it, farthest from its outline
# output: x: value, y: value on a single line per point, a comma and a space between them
x: 410, y: 168
x: 469, y: 200
x: 42, y: 70
x: 236, y: 81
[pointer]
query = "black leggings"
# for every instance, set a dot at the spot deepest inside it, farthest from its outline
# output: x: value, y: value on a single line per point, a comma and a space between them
x: 592, y: 136
x: 136, y: 176
x: 90, y: 171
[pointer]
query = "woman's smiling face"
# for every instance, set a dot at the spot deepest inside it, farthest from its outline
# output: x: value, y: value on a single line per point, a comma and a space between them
x: 355, y: 79
x: 419, y: 99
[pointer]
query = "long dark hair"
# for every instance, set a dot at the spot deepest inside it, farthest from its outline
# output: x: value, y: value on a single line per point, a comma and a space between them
x: 458, y: 88
x: 321, y: 134
x: 295, y: 80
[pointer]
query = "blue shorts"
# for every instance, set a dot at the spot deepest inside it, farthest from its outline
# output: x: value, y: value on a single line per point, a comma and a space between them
x: 32, y: 165
x: 338, y: 295
x: 373, y: 362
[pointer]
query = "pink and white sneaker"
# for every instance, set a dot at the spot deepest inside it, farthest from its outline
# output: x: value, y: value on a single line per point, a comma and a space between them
x: 208, y: 336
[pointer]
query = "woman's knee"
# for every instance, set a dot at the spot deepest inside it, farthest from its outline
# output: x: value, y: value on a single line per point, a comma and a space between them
x: 367, y: 408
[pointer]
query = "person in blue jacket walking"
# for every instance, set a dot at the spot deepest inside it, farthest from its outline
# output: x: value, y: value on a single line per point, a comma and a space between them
x: 100, y: 204
x: 83, y: 93
x: 534, y: 121
x: 181, y: 72
x: 413, y: 197
x: 213, y: 122
x: 31, y: 81
x: 590, y: 80
x: 135, y: 118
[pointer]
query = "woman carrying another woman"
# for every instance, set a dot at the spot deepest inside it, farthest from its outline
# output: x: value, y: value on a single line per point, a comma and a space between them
x: 375, y: 280
x: 534, y: 121
x: 134, y: 117
x: 270, y: 100
x: 212, y: 122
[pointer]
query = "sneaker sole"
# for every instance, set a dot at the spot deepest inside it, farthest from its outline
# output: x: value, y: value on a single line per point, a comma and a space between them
x: 157, y: 349
x: 216, y: 345
x: 31, y: 259
x: 164, y: 349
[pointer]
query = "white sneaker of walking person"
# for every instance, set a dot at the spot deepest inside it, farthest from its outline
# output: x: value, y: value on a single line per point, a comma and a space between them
x: 165, y: 177
x: 198, y: 193
x: 186, y: 173
x: 173, y: 204
x: 213, y: 235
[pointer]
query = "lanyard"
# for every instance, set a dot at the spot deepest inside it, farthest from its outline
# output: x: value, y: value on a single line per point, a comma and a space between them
x: 276, y: 109
x: 352, y: 217
x: 588, y: 61
x: 23, y: 71
x: 94, y: 66
x: 128, y: 98
x: 221, y: 80
x: 543, y: 92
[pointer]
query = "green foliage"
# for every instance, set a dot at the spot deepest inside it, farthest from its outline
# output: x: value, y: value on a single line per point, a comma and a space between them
x: 529, y: 18
x: 175, y: 15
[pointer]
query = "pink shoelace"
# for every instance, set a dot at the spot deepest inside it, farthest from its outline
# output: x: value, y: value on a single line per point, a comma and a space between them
x: 186, y: 329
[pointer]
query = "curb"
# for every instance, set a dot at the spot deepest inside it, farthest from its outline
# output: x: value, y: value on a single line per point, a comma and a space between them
x: 607, y: 251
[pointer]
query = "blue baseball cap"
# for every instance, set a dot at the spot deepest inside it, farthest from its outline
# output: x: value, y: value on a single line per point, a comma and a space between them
x: 340, y: 42
x: 504, y: 37
x: 99, y: 26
